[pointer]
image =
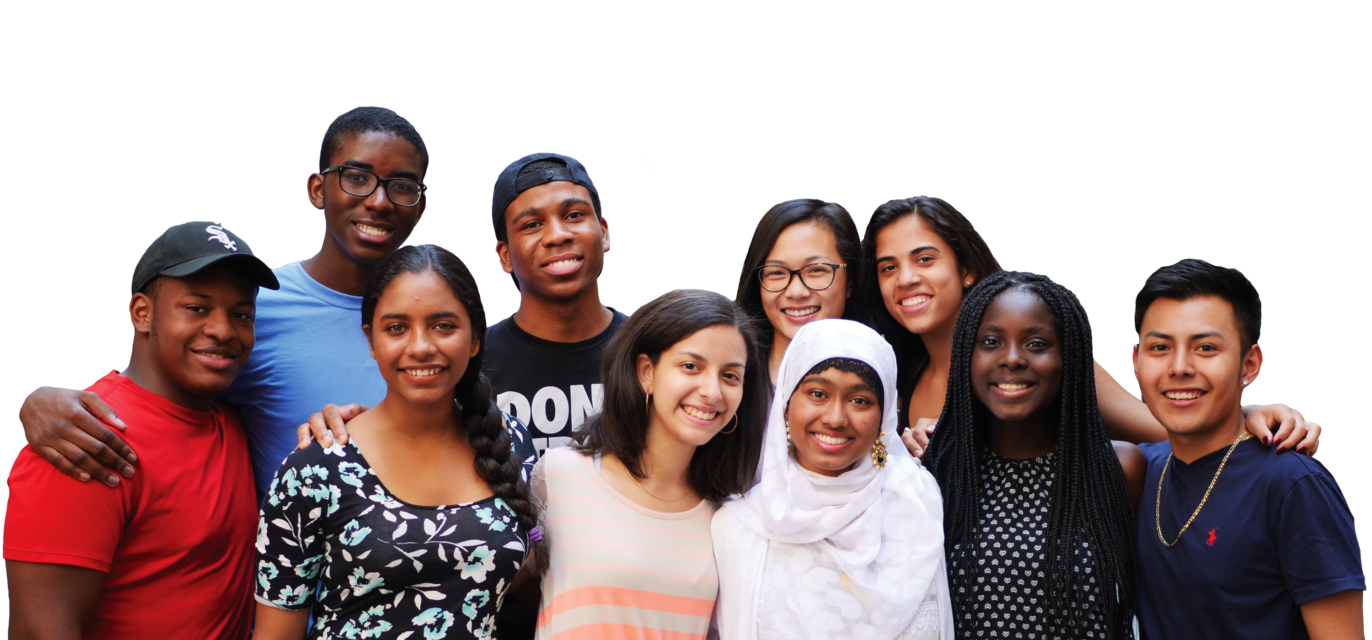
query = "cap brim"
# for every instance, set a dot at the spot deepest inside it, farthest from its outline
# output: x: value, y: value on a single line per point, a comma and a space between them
x: 257, y: 271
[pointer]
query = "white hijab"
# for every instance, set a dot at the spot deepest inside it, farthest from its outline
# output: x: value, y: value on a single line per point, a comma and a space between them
x: 882, y: 528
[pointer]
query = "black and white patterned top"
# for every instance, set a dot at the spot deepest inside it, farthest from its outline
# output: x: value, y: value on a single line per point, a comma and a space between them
x: 1009, y: 585
x: 382, y: 567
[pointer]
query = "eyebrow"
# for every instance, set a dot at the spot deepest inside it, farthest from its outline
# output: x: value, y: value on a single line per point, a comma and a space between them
x: 400, y: 173
x: 912, y: 252
x: 1033, y: 329
x: 809, y: 260
x: 701, y: 358
x: 566, y: 204
x: 861, y: 386
x: 432, y: 316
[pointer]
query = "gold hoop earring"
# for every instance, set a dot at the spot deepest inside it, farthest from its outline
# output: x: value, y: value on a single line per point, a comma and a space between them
x: 879, y: 450
x: 733, y: 422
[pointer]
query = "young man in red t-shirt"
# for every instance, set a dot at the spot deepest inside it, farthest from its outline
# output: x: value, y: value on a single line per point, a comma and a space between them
x: 168, y: 553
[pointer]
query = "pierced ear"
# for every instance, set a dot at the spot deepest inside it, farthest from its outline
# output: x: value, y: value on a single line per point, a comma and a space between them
x: 1252, y: 364
x: 645, y: 372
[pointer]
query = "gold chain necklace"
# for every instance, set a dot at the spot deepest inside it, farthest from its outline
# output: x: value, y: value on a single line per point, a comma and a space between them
x: 1157, y: 505
x: 645, y: 489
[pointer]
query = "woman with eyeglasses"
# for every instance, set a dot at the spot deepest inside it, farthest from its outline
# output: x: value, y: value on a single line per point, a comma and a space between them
x: 801, y: 267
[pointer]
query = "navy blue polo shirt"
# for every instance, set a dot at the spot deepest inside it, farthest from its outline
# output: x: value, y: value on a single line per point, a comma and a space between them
x: 1275, y: 533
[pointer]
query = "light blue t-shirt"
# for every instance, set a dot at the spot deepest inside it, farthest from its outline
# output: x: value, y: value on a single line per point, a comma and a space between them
x: 310, y: 352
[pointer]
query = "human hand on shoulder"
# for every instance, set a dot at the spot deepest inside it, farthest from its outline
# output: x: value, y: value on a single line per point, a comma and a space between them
x: 327, y: 424
x: 1293, y: 431
x: 916, y: 438
x: 71, y: 430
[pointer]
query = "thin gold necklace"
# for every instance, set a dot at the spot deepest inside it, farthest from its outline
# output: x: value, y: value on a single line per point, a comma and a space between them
x: 1157, y: 505
x: 645, y: 489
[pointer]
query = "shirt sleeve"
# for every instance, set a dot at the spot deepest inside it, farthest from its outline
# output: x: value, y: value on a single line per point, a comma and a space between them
x: 54, y: 519
x: 291, y: 527
x: 1316, y: 542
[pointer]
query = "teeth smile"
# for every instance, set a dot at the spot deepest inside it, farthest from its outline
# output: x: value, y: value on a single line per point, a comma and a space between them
x: 423, y: 372
x: 568, y: 261
x: 800, y: 312
x: 370, y: 230
x: 914, y: 301
x: 1182, y: 395
x: 1005, y: 386
x: 826, y: 439
x: 697, y: 413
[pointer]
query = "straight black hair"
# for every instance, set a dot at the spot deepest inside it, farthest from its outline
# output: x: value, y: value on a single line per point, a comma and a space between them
x: 485, y: 425
x: 970, y: 251
x: 1193, y: 278
x: 366, y: 120
x: 727, y: 464
x: 778, y: 219
x: 1088, y: 499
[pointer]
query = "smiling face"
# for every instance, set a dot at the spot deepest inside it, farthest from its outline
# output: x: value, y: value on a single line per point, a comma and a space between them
x: 833, y: 418
x: 696, y: 385
x: 199, y: 332
x: 918, y: 273
x: 367, y: 229
x: 421, y: 338
x: 556, y: 244
x: 1017, y: 360
x: 1191, y: 364
x: 800, y: 245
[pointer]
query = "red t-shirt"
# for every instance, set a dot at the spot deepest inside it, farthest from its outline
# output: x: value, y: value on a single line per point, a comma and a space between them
x: 176, y: 539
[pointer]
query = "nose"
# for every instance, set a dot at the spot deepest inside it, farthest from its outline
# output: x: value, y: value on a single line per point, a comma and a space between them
x: 909, y: 276
x: 833, y: 415
x: 796, y: 289
x: 559, y: 232
x: 1014, y: 357
x: 219, y: 326
x: 378, y: 201
x: 421, y: 345
x: 709, y: 390
x: 1180, y: 364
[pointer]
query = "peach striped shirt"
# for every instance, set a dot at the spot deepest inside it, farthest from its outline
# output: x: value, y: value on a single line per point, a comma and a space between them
x: 618, y: 570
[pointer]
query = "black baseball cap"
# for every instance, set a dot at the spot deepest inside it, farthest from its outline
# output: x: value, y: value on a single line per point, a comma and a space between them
x: 510, y: 184
x: 187, y: 248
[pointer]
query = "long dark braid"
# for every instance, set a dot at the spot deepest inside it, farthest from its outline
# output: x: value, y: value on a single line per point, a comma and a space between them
x: 485, y: 426
x: 1089, y: 502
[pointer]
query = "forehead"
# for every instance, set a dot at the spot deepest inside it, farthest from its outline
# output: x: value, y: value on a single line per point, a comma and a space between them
x: 217, y: 280
x: 720, y: 344
x: 386, y: 153
x: 546, y: 197
x: 419, y: 293
x: 1018, y: 307
x: 1202, y: 314
x: 908, y: 233
x: 804, y: 240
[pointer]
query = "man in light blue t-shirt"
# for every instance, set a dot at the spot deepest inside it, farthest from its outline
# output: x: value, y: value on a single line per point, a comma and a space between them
x: 310, y: 348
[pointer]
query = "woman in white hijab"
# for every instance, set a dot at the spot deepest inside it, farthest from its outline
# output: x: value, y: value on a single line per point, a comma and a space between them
x: 842, y: 537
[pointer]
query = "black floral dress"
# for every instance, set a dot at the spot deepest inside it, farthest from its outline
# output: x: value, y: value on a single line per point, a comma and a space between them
x: 331, y: 538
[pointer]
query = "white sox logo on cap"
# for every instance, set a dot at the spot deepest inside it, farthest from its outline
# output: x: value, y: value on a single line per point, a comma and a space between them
x: 217, y: 233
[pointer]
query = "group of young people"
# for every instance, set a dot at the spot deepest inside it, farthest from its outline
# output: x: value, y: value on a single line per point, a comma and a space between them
x: 880, y: 436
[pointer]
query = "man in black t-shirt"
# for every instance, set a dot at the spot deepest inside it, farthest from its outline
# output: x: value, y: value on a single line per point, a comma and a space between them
x: 544, y: 361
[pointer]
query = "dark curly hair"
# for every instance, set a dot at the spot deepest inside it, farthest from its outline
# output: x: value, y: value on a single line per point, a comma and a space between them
x: 1088, y: 500
x: 486, y: 432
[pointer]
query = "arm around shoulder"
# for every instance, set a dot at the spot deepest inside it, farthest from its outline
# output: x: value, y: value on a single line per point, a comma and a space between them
x: 1126, y: 417
x: 1135, y: 465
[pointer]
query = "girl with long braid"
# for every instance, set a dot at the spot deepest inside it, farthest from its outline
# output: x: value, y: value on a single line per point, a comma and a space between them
x: 1038, y: 502
x: 920, y: 256
x: 420, y: 524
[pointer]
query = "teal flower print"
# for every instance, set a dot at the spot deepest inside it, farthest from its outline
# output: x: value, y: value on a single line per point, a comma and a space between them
x: 266, y: 572
x: 476, y: 598
x: 367, y: 625
x: 292, y: 597
x: 364, y: 582
x: 481, y: 561
x: 353, y: 533
x: 431, y: 618
x: 351, y: 473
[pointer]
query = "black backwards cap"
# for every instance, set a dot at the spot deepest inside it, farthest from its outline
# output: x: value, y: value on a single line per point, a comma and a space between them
x: 510, y: 184
x: 187, y: 248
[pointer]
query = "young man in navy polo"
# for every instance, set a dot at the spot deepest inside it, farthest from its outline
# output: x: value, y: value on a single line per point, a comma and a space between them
x: 1235, y: 540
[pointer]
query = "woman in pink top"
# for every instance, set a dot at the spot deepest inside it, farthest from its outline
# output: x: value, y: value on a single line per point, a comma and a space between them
x: 625, y: 513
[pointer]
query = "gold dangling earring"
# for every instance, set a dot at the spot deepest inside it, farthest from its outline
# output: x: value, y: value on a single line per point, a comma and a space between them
x: 733, y: 422
x: 786, y: 420
x: 648, y: 402
x: 879, y: 450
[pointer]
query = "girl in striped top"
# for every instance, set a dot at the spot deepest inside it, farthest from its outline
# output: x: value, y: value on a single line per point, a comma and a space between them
x: 625, y: 513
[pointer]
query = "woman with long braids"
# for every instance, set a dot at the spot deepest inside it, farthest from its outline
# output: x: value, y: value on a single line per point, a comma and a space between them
x: 1038, y: 502
x: 420, y: 524
x: 625, y: 516
x: 920, y: 256
x: 801, y: 267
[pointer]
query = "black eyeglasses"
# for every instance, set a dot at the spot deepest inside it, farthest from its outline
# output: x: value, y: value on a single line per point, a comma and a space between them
x: 816, y: 277
x: 362, y: 183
